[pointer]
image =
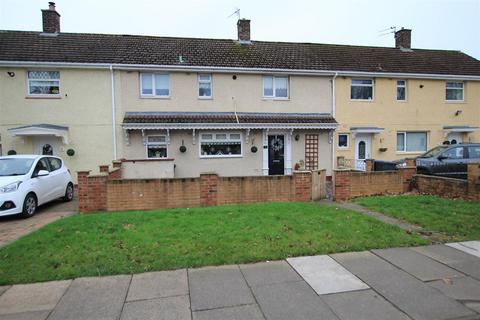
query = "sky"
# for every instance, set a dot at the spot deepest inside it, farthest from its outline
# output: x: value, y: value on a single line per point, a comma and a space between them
x: 435, y: 24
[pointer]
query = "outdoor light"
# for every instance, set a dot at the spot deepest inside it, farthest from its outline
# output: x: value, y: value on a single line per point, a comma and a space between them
x: 11, y: 74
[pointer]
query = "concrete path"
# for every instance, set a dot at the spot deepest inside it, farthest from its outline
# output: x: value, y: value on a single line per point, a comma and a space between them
x: 14, y: 227
x: 422, y: 283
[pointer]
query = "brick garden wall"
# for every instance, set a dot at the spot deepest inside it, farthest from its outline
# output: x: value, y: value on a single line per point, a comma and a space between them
x: 108, y: 192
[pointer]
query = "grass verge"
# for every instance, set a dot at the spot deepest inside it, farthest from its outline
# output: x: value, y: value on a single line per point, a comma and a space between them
x: 134, y: 242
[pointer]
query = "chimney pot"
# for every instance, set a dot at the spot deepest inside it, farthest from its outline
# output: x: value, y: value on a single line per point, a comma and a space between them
x: 243, y: 26
x: 403, y: 38
x: 51, y: 19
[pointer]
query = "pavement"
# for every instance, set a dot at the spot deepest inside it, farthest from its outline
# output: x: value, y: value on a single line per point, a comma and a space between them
x: 14, y: 227
x: 436, y: 282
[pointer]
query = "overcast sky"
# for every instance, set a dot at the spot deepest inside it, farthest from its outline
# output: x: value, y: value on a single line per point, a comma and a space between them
x: 436, y: 24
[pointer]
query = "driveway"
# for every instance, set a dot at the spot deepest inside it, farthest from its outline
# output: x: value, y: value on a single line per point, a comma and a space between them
x: 422, y: 283
x: 12, y: 227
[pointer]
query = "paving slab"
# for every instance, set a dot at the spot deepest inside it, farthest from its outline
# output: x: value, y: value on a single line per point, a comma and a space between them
x: 291, y: 300
x: 412, y: 296
x: 363, y: 305
x: 32, y: 315
x: 471, y: 247
x: 454, y: 258
x: 3, y: 289
x: 325, y: 275
x: 474, y: 306
x: 32, y: 297
x: 217, y: 287
x: 93, y: 298
x: 161, y: 284
x: 171, y: 308
x: 246, y: 312
x: 260, y: 274
x: 417, y: 264
x: 464, y: 288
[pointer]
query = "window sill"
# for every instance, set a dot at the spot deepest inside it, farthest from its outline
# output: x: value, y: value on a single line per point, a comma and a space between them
x: 44, y: 97
x: 275, y: 99
x: 221, y: 157
x: 362, y: 100
x: 455, y: 101
x: 343, y: 148
x: 156, y: 97
x: 205, y: 98
x: 401, y: 101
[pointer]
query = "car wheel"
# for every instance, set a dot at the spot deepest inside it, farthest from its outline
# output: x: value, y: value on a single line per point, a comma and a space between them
x: 69, y: 192
x: 29, y: 205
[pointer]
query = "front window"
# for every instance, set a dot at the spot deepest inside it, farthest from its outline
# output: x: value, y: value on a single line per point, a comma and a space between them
x: 343, y: 141
x: 15, y: 167
x: 204, y: 86
x: 361, y: 89
x: 401, y: 90
x: 154, y: 85
x: 411, y: 141
x: 156, y: 147
x: 454, y: 91
x: 275, y: 87
x: 46, y: 83
x: 214, y: 145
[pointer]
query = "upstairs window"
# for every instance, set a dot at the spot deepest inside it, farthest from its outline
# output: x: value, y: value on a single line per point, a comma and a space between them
x: 157, y: 147
x: 216, y: 145
x: 454, y: 91
x: 401, y: 90
x: 361, y: 89
x: 44, y: 83
x: 205, y: 86
x: 275, y: 87
x: 411, y: 141
x: 155, y: 85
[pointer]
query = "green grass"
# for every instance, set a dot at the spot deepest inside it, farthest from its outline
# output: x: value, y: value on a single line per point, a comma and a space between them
x: 457, y: 220
x: 133, y: 242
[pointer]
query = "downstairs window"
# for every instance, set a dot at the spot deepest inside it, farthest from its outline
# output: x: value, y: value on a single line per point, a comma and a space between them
x: 219, y: 145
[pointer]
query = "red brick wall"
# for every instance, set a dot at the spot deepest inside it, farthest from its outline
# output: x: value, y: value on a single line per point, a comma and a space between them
x: 104, y: 192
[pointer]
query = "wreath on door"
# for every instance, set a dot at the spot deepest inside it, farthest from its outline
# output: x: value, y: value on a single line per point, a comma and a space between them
x: 276, y: 144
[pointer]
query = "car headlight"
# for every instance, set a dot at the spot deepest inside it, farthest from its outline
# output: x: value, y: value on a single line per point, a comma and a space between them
x: 10, y: 187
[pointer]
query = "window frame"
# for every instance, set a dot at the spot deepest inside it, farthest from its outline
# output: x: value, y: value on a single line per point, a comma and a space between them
x: 462, y: 89
x: 199, y: 81
x: 363, y: 85
x: 274, y: 87
x: 400, y: 86
x: 44, y: 95
x: 228, y: 133
x: 348, y: 141
x: 147, y: 144
x: 405, y: 134
x: 153, y: 95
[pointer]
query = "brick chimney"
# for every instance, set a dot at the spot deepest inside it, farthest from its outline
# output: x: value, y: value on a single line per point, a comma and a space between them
x: 51, y: 19
x: 243, y: 26
x: 403, y: 38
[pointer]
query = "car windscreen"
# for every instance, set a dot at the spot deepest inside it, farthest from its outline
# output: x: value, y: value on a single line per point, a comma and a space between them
x: 433, y: 152
x: 15, y: 166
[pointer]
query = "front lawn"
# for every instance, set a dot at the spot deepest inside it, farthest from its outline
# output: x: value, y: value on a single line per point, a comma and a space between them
x: 133, y: 242
x: 458, y: 220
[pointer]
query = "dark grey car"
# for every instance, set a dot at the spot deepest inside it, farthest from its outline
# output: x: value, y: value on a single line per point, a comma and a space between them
x: 449, y: 161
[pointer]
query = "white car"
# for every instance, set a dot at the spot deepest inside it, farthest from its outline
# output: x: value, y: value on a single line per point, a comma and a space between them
x: 28, y: 181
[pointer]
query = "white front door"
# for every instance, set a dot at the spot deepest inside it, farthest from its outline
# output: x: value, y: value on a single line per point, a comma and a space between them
x: 362, y: 150
x: 46, y: 145
x: 455, y: 137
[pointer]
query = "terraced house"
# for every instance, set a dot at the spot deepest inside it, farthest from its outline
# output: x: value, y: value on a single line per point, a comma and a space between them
x: 176, y: 107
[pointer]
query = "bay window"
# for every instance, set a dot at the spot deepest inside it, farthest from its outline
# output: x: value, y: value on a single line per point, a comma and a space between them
x: 217, y: 145
x: 45, y: 83
x: 411, y: 141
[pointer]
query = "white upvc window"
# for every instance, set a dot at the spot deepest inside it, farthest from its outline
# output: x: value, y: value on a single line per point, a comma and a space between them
x: 157, y: 147
x: 343, y: 141
x: 411, y: 141
x: 220, y: 145
x: 43, y: 83
x: 361, y: 89
x: 275, y: 87
x: 155, y: 85
x: 401, y: 90
x: 454, y: 91
x: 205, y: 86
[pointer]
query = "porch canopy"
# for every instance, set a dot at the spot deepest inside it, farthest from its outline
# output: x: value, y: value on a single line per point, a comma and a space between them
x: 227, y: 120
x: 461, y: 129
x: 41, y: 130
x: 366, y: 129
